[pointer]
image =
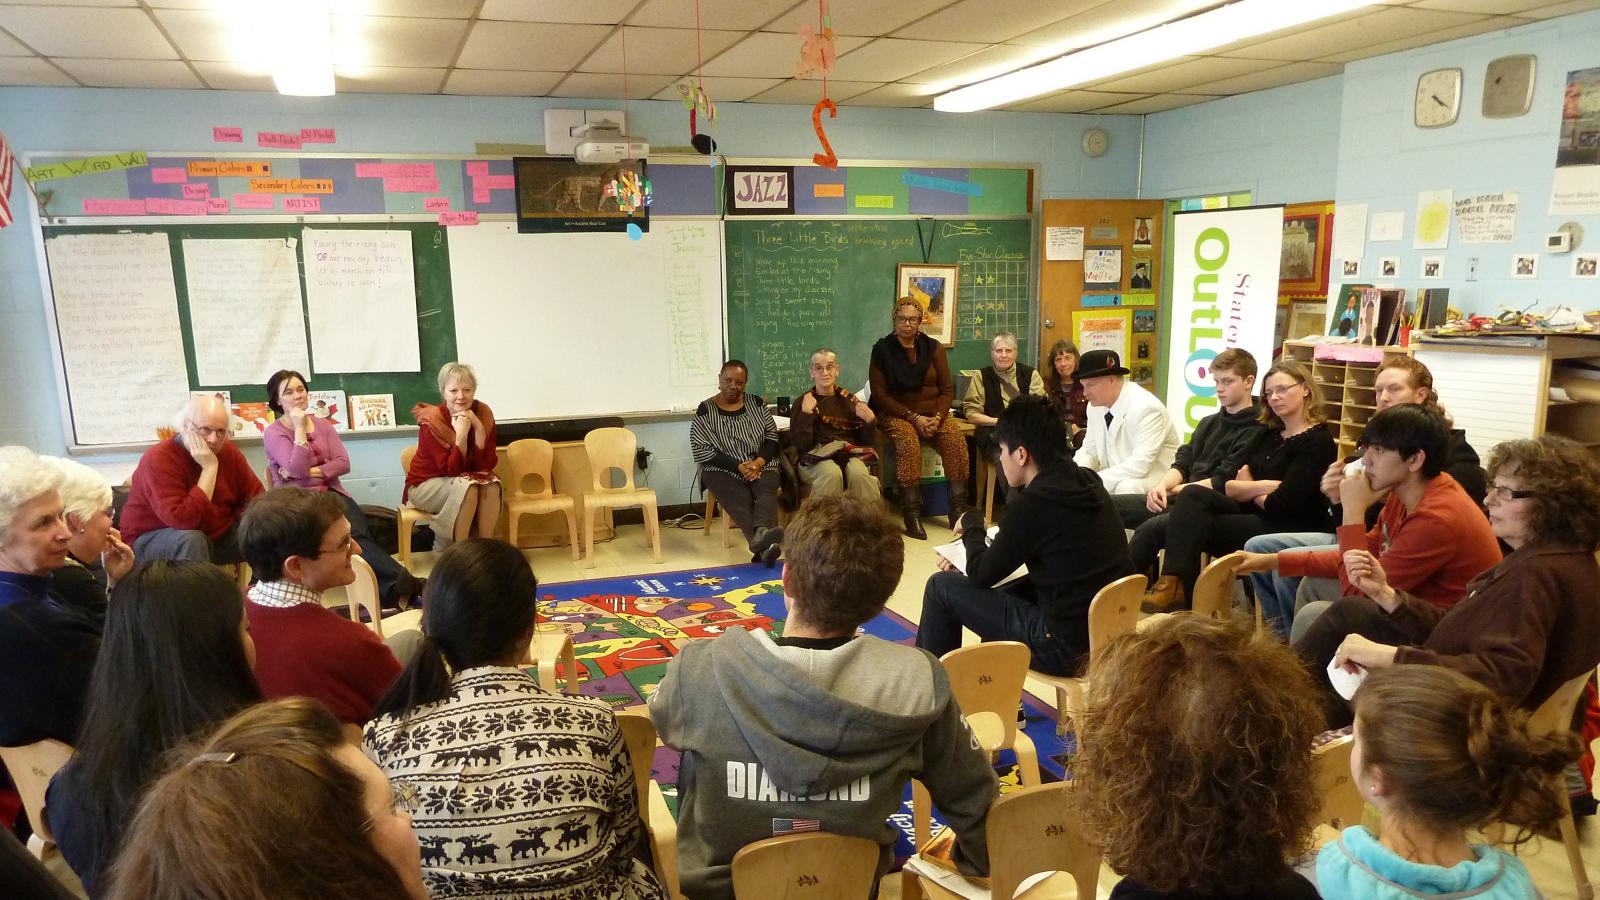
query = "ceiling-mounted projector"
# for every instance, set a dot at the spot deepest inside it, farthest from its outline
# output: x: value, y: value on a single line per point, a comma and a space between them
x: 604, y: 142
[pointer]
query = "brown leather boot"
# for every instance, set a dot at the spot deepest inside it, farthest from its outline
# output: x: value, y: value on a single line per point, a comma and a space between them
x: 911, y: 509
x: 958, y: 502
x: 1165, y: 596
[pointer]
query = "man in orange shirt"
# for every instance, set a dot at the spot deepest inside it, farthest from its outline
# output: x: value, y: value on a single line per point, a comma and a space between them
x: 1430, y: 537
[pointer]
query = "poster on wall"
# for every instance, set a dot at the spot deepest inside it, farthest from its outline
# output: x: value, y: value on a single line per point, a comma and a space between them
x: 1576, y: 186
x: 1225, y: 273
x: 1486, y: 218
x: 1102, y: 268
x: 1433, y: 220
x: 1094, y: 329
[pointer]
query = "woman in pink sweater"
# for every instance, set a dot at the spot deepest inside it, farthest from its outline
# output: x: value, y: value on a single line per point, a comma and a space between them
x: 306, y: 452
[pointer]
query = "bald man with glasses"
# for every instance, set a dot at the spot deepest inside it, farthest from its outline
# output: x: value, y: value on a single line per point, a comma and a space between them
x: 190, y: 490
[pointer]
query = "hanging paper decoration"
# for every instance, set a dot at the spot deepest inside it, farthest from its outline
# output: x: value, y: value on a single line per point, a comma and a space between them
x: 816, y: 48
x: 700, y: 106
x: 628, y: 189
x: 827, y: 157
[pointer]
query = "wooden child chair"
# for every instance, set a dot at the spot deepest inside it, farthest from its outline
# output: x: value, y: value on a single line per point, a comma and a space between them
x: 806, y: 867
x: 531, y: 492
x: 639, y: 734
x: 613, y: 448
x: 1114, y: 611
x: 406, y: 517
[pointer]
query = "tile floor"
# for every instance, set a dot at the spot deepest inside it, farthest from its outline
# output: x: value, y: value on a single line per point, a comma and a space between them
x: 629, y: 554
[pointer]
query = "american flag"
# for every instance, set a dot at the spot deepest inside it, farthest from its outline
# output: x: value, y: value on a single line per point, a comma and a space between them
x: 795, y: 826
x: 5, y: 181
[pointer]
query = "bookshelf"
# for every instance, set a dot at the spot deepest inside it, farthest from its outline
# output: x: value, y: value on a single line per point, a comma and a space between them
x: 1344, y: 376
x: 1498, y: 388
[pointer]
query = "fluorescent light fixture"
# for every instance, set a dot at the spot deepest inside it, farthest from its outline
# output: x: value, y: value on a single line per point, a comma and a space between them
x: 1184, y: 37
x: 301, y: 56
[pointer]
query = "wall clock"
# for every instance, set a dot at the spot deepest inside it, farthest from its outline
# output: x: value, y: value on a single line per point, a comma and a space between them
x: 1508, y: 86
x: 1095, y: 142
x: 1438, y: 99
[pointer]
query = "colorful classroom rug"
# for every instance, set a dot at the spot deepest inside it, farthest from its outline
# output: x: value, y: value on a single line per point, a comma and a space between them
x: 623, y: 632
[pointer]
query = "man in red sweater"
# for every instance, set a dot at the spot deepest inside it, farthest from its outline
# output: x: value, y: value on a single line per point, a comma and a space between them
x: 298, y: 542
x: 189, y: 491
x: 1431, y: 537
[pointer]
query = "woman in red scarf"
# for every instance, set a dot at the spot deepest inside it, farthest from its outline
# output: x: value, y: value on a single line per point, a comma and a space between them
x: 452, y: 475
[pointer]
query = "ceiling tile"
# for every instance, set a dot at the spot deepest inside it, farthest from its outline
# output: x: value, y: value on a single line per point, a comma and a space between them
x: 600, y: 12
x: 891, y: 59
x: 1074, y: 102
x: 1423, y: 40
x: 1185, y: 75
x: 11, y: 47
x: 527, y: 46
x: 1089, y: 23
x: 386, y: 80
x: 1563, y: 9
x: 986, y: 63
x: 232, y: 76
x: 1348, y: 33
x: 207, y: 34
x: 768, y: 54
x: 69, y: 2
x: 113, y: 34
x: 658, y: 51
x: 415, y: 9
x: 1268, y: 78
x: 984, y: 20
x: 864, y: 18
x: 501, y: 83
x: 132, y: 73
x: 390, y: 41
x: 593, y: 84
x: 1158, y: 103
x: 735, y: 15
x: 723, y: 90
x: 897, y: 94
x: 18, y: 71
x: 807, y: 92
x: 1483, y: 7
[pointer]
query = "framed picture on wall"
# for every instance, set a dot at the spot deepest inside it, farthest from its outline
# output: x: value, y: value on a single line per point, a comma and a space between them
x: 934, y: 287
x: 1307, y: 241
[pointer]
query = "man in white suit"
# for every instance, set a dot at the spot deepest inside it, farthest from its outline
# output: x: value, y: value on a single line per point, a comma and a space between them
x: 1130, y: 440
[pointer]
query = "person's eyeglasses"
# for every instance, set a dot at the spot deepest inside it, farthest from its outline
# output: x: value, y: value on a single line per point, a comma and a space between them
x: 1505, y: 493
x: 341, y: 547
x: 1279, y: 391
x: 210, y: 432
x: 406, y: 798
x: 909, y: 320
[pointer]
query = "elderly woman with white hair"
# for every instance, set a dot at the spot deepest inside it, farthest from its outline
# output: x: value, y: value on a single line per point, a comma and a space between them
x: 452, y: 474
x: 46, y: 652
x: 190, y: 490
x: 96, y: 556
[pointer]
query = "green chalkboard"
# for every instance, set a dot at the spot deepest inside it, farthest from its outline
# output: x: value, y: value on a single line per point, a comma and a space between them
x: 430, y: 254
x: 797, y: 285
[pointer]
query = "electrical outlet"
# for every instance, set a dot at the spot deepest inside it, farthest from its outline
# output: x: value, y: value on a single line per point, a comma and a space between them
x: 641, y: 459
x: 1472, y: 268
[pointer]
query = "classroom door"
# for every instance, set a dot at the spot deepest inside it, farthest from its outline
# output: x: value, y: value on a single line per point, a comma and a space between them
x: 1110, y: 297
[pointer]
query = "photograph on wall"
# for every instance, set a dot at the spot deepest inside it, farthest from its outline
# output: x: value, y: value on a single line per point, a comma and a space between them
x: 1584, y: 265
x: 934, y: 288
x: 1576, y: 186
x: 1144, y: 321
x: 557, y: 194
x: 1525, y: 265
x: 1139, y: 275
x: 1433, y: 267
x: 1142, y: 232
x: 1142, y: 350
x: 1389, y: 267
x: 1101, y: 330
x: 1303, y: 259
x: 1351, y: 268
x: 1102, y: 268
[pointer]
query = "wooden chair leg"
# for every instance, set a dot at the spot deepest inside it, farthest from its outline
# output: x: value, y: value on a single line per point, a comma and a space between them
x: 511, y: 528
x: 403, y: 535
x: 1027, y: 760
x: 988, y: 501
x: 727, y: 537
x: 921, y: 813
x: 1061, y: 711
x: 569, y: 661
x: 711, y: 510
x: 588, y: 534
x: 1574, y: 848
x: 572, y: 530
x: 652, y: 528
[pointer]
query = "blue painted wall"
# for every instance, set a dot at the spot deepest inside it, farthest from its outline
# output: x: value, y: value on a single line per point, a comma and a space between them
x: 108, y: 120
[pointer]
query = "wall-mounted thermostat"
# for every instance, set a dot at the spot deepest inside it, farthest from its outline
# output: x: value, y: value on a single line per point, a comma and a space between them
x: 1564, y: 239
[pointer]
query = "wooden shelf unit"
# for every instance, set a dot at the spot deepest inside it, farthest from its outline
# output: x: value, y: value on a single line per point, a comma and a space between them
x: 1348, y: 396
x: 1499, y: 389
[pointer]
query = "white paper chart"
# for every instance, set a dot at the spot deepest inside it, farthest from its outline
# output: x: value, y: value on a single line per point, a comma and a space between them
x: 244, y: 309
x: 361, y: 294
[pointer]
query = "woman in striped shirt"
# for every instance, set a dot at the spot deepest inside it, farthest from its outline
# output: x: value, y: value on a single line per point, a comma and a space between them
x: 735, y: 442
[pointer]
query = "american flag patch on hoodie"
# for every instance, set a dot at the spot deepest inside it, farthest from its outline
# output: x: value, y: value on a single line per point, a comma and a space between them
x: 795, y: 826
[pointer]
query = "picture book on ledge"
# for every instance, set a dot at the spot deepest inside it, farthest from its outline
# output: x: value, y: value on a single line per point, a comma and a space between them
x: 370, y: 411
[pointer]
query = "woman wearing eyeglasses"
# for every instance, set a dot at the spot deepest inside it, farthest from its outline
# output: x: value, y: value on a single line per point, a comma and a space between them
x: 274, y: 804
x: 96, y: 556
x: 176, y: 661
x: 522, y: 792
x: 911, y: 394
x: 1526, y: 626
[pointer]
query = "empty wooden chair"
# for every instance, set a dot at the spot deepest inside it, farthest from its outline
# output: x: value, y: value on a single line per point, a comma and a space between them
x: 531, y: 493
x: 1114, y: 611
x: 1030, y: 831
x: 1342, y: 803
x: 986, y: 680
x: 639, y: 733
x: 613, y: 448
x: 806, y: 867
x: 711, y: 510
x: 31, y: 767
x: 407, y: 516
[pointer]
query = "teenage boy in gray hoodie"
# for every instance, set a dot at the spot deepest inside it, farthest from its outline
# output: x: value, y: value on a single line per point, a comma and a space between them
x: 819, y: 729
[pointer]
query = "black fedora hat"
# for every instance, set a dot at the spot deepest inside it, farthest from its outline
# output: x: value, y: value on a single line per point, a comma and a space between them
x: 1099, y: 362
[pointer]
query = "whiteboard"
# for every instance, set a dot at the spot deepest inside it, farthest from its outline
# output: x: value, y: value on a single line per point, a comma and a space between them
x: 563, y: 325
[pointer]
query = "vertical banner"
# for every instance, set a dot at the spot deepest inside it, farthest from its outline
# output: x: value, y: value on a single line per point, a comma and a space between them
x: 1224, y: 294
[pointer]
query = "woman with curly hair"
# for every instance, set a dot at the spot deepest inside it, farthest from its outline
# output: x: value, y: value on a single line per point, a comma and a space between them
x: 1203, y: 788
x: 1437, y: 753
x: 1525, y: 627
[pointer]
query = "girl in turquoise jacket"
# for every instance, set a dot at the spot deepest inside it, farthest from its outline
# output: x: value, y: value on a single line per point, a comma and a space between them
x: 1438, y: 753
